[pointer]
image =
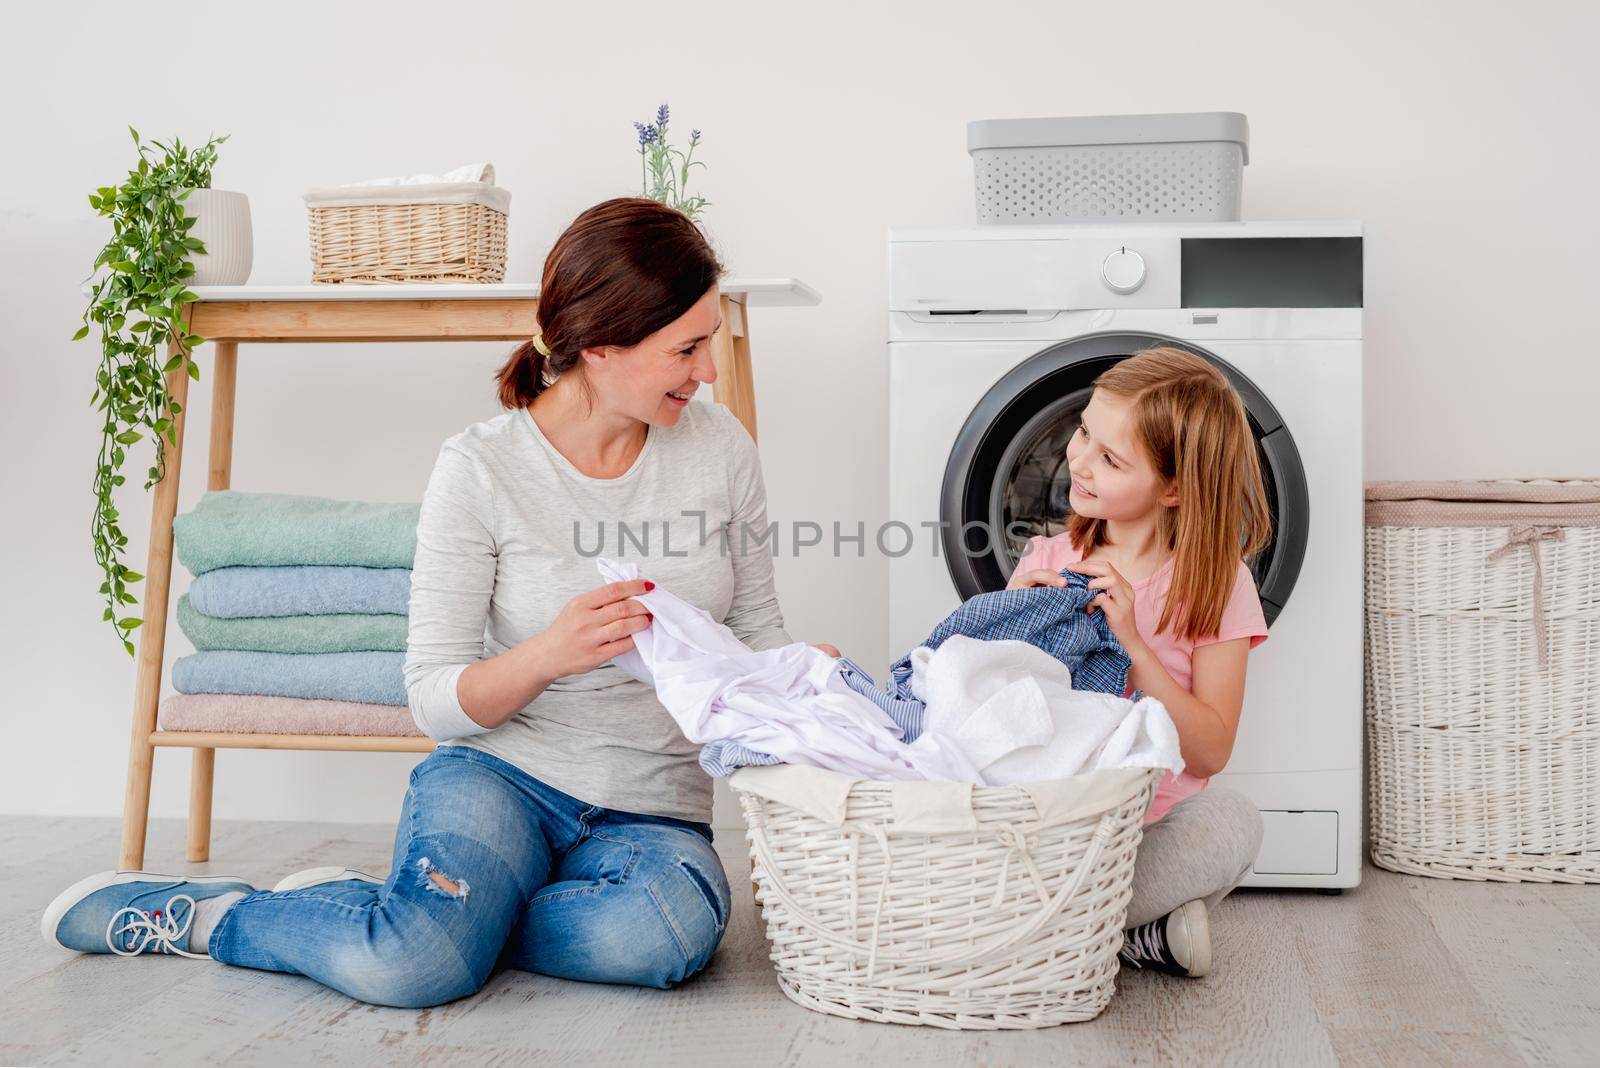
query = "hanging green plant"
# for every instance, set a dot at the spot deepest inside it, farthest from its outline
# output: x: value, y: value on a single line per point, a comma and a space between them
x: 139, y: 306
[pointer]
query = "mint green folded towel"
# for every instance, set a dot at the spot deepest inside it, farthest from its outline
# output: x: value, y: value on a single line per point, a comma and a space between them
x: 340, y: 633
x: 230, y: 528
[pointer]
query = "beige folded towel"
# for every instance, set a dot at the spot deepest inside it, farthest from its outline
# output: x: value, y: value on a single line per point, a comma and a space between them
x: 258, y: 714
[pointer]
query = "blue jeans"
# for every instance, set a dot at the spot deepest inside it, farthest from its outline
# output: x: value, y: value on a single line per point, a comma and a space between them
x: 527, y: 876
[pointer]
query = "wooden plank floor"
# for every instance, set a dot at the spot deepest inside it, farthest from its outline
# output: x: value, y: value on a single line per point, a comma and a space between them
x: 1402, y: 971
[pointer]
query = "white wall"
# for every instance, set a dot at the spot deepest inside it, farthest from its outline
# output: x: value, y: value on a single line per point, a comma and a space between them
x: 1454, y: 130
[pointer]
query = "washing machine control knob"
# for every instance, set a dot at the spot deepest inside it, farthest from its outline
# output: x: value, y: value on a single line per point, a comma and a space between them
x: 1123, y: 271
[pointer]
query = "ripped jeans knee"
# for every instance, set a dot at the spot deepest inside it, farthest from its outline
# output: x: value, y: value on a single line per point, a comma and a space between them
x: 431, y: 878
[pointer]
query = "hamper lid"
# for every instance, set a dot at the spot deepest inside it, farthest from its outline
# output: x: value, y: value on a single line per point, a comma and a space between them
x: 934, y: 807
x: 1486, y: 502
x: 1111, y: 130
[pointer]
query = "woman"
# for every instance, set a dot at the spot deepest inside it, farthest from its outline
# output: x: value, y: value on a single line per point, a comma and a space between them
x: 562, y: 825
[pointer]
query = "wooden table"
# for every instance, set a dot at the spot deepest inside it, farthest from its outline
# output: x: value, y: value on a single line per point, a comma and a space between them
x: 228, y: 315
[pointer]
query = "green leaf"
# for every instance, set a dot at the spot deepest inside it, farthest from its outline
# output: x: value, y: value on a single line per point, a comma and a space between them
x: 128, y: 437
x: 177, y: 358
x: 131, y: 576
x: 128, y: 646
x: 194, y: 370
x: 130, y: 623
x: 82, y: 333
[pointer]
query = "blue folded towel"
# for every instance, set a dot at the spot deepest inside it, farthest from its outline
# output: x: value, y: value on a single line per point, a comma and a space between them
x: 376, y: 678
x: 307, y: 590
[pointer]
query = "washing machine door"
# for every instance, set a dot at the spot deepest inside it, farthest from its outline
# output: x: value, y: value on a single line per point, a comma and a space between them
x: 1007, y: 477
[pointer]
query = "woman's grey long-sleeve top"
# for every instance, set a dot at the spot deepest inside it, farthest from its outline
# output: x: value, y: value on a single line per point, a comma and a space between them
x: 507, y: 535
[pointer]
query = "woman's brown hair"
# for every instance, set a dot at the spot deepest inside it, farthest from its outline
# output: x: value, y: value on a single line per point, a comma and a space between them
x: 1193, y: 426
x: 621, y: 271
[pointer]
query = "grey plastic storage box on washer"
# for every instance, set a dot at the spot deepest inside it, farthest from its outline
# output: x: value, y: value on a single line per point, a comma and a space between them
x: 1178, y: 166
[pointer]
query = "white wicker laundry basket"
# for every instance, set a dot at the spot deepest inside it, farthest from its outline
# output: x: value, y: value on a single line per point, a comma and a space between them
x: 945, y: 904
x: 1483, y: 678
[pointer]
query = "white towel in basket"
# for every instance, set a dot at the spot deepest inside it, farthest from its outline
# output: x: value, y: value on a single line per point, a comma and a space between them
x: 1009, y: 708
x: 470, y: 172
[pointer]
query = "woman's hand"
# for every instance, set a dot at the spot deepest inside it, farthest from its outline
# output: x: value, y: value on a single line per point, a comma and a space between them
x: 831, y: 650
x: 593, y: 627
x: 1115, y: 599
x: 1039, y: 577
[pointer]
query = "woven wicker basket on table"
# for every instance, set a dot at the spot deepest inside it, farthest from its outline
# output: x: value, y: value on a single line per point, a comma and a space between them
x: 1483, y: 678
x: 391, y: 234
x: 946, y: 904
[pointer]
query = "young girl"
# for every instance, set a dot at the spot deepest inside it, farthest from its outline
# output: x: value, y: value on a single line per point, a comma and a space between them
x: 1166, y: 499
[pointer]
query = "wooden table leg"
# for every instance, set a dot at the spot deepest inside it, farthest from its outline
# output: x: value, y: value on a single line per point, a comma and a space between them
x: 153, y: 632
x: 730, y: 350
x: 201, y: 772
x: 224, y: 376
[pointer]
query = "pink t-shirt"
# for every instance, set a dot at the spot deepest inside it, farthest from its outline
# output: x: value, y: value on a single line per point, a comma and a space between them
x: 1242, y: 617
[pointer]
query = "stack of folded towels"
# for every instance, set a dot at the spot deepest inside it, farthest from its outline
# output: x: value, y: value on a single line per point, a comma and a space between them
x: 298, y: 613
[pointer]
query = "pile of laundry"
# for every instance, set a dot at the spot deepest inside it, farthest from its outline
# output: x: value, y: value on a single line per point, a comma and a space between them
x: 1014, y: 686
x: 298, y: 612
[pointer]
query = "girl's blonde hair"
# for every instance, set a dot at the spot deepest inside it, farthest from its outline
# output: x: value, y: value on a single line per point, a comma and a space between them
x: 1192, y: 424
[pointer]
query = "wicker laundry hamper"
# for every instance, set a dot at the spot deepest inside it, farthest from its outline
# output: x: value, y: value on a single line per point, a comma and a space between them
x: 437, y: 232
x: 1483, y: 678
x: 946, y: 904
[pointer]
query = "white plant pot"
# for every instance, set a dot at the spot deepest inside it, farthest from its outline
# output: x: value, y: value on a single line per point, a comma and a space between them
x: 224, y: 227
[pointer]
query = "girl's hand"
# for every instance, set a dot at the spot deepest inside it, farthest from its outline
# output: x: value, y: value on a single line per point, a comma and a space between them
x: 831, y: 650
x: 1115, y: 599
x: 593, y: 627
x: 1040, y: 577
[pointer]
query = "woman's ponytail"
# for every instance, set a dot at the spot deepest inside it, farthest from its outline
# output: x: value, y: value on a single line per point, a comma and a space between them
x: 521, y: 378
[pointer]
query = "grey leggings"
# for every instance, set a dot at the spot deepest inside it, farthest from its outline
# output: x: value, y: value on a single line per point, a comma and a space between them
x: 1202, y: 848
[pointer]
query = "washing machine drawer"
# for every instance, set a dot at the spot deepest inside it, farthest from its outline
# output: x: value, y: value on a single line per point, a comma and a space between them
x: 1298, y: 843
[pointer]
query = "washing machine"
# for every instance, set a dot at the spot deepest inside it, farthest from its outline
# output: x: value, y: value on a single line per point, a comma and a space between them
x: 995, y: 334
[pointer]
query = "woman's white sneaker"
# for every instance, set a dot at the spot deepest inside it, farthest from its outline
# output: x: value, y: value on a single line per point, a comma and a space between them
x: 319, y: 876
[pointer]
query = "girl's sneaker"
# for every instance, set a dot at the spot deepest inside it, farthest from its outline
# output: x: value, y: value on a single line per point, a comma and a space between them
x: 319, y: 876
x: 1179, y: 943
x: 132, y: 912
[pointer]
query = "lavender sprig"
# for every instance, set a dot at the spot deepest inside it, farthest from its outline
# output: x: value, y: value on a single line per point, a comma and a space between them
x: 659, y: 176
